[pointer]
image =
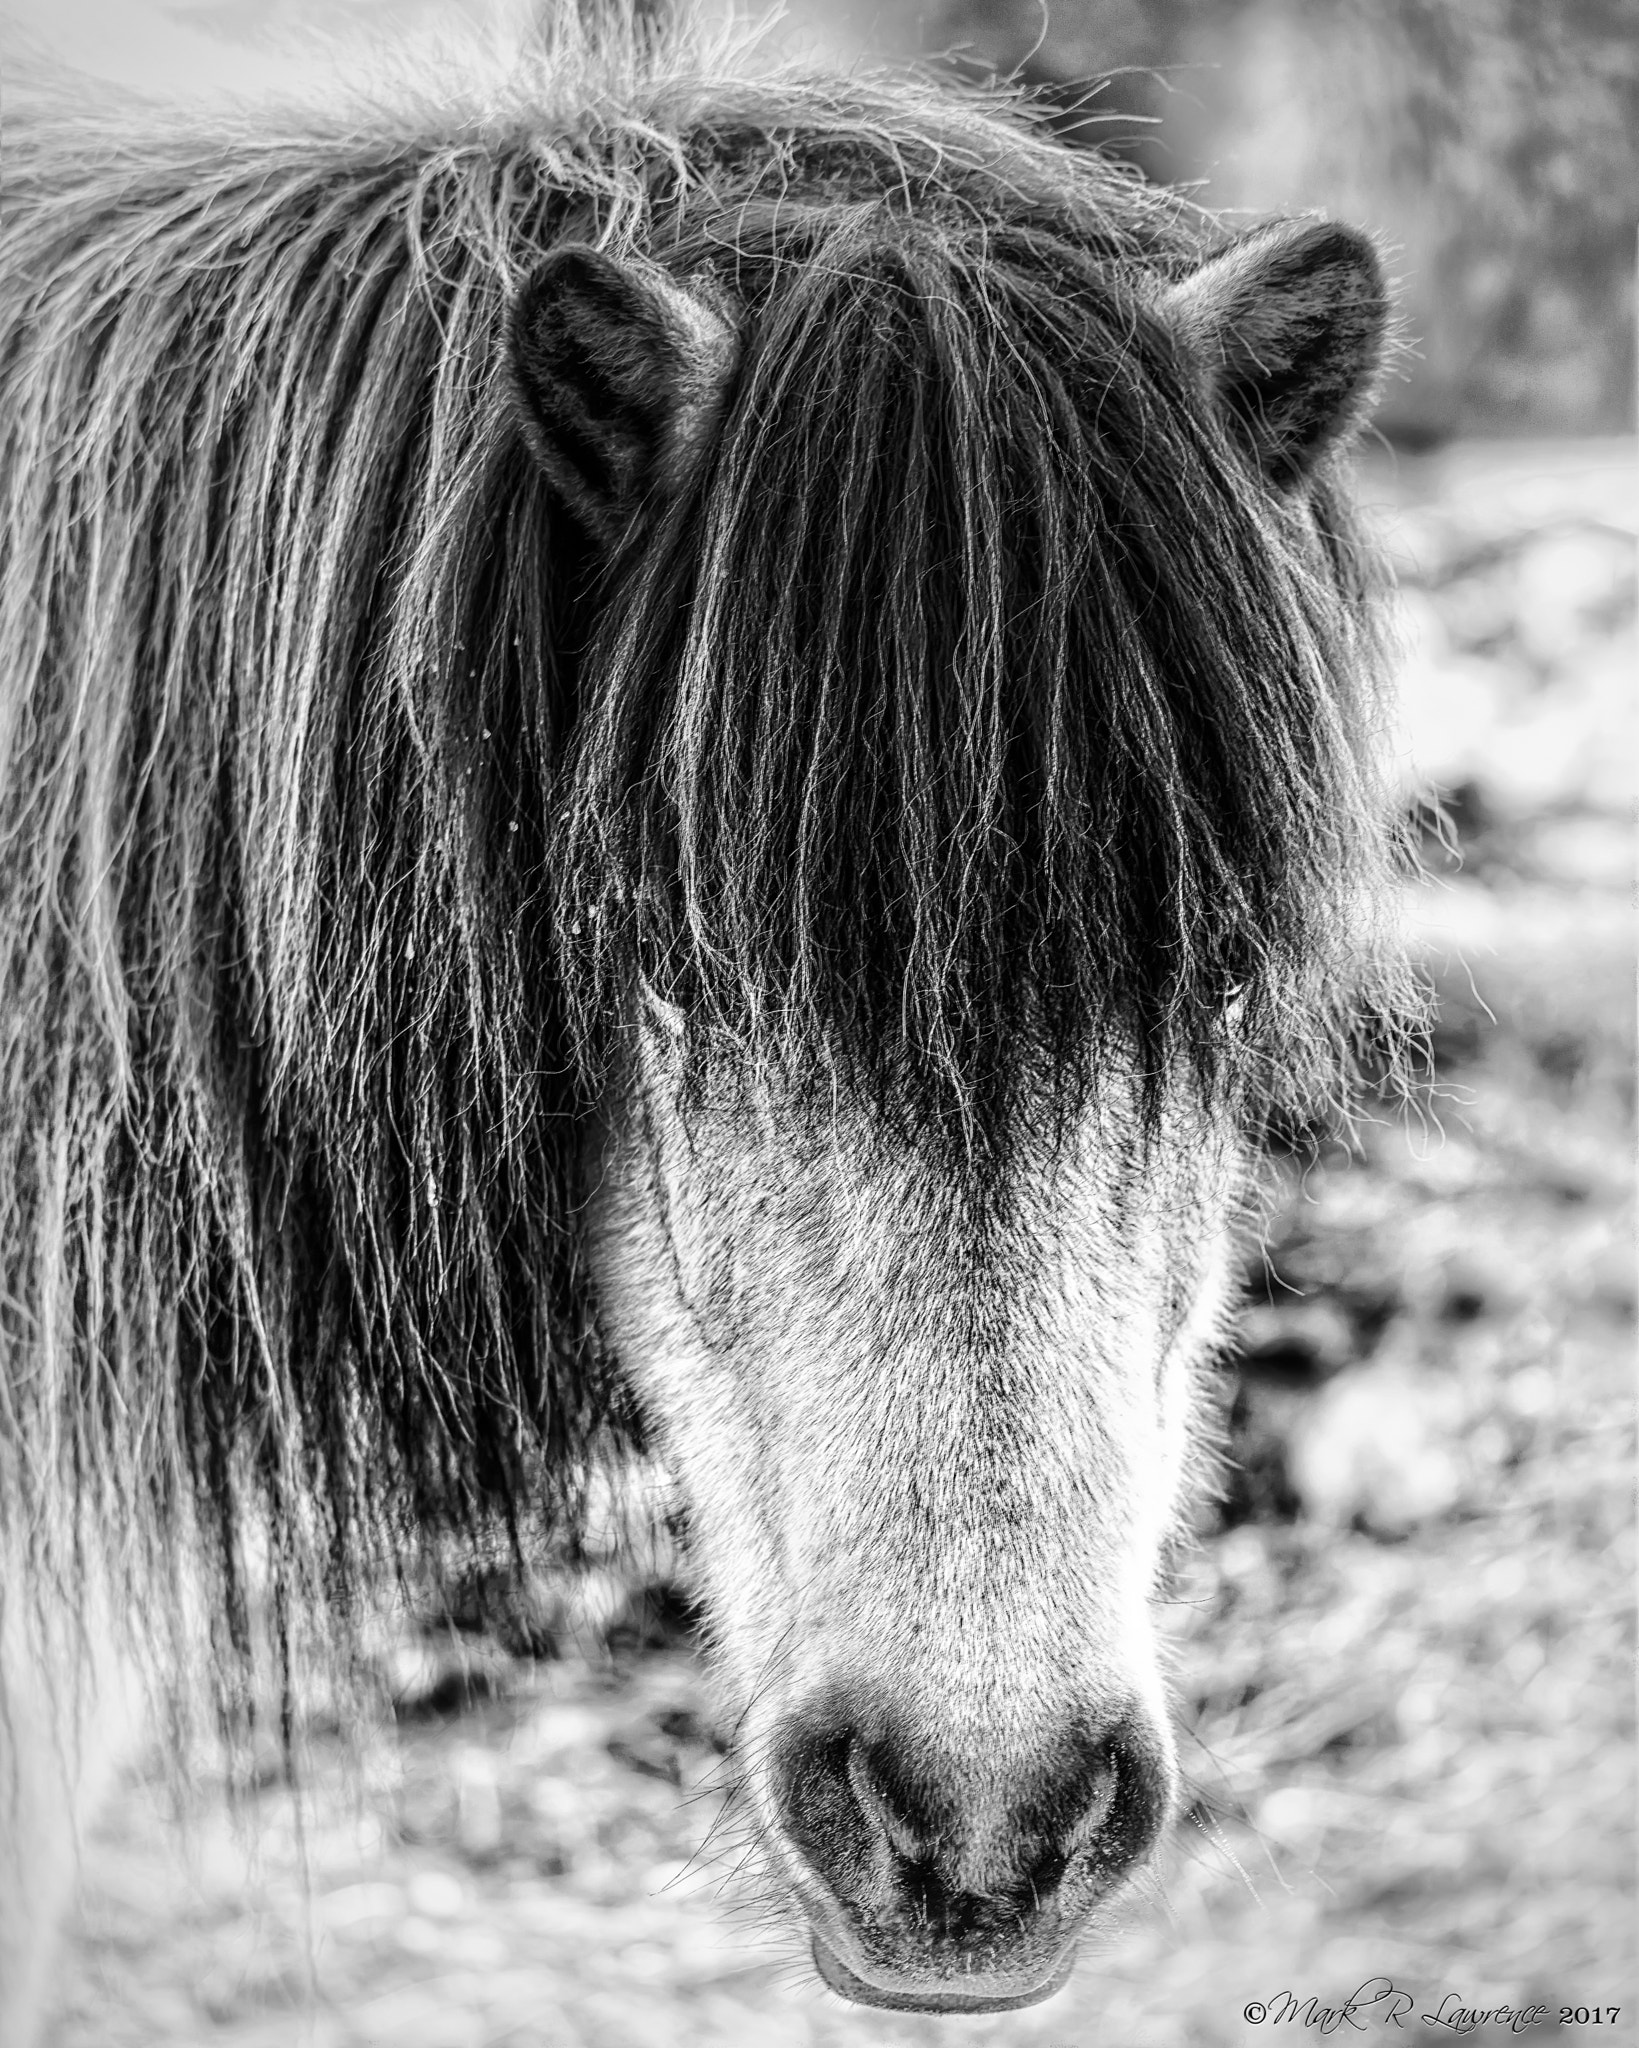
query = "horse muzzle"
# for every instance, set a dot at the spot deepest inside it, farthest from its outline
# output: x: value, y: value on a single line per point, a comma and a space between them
x: 934, y: 1884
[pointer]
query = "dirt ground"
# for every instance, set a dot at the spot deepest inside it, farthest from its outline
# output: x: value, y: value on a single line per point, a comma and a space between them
x: 1403, y: 1648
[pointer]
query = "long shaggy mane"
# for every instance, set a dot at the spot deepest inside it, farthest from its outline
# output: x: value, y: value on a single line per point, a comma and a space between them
x: 973, y: 714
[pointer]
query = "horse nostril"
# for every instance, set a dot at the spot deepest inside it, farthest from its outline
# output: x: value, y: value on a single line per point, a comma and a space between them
x: 1124, y: 1797
x: 1087, y: 1798
x: 895, y: 1834
x: 908, y: 1840
x: 858, y: 1822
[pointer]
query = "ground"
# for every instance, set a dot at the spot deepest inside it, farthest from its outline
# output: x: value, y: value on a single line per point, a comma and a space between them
x: 1402, y: 1647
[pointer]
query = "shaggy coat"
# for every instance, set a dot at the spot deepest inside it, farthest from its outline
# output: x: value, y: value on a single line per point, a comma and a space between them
x: 815, y: 560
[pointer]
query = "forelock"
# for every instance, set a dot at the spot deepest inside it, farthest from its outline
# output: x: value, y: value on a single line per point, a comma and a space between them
x: 979, y: 718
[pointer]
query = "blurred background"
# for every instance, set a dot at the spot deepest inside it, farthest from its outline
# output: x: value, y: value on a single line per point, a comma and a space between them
x: 1403, y: 1646
x: 1491, y: 142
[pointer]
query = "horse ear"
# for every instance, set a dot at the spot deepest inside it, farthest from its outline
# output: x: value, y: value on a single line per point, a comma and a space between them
x: 617, y: 377
x: 1289, y: 326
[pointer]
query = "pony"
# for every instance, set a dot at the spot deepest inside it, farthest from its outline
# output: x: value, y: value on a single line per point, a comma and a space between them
x: 686, y: 749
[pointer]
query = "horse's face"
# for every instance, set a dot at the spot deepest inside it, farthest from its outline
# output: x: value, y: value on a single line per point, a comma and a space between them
x: 930, y: 1406
x: 930, y: 1445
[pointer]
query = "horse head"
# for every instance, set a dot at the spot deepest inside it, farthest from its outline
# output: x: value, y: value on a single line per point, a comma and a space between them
x: 948, y: 819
